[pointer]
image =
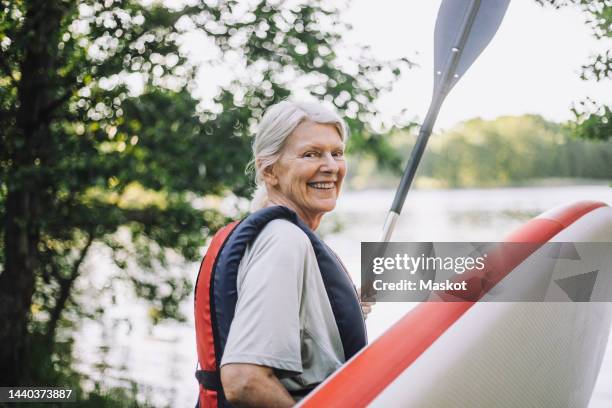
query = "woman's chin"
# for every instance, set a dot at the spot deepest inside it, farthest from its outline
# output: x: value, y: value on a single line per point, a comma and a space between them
x: 326, y: 205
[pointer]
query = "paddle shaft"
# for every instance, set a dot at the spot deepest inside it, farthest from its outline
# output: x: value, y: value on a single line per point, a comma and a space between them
x: 440, y: 93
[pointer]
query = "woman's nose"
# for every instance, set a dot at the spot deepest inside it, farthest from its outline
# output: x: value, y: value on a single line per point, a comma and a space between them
x: 330, y: 165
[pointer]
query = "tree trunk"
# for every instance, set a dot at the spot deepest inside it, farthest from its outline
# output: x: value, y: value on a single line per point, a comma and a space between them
x: 26, y: 187
x: 16, y: 285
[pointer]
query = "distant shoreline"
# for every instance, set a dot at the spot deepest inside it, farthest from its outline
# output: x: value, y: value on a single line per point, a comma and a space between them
x: 424, y: 185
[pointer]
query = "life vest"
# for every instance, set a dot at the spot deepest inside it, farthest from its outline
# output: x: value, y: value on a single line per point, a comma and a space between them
x: 216, y: 295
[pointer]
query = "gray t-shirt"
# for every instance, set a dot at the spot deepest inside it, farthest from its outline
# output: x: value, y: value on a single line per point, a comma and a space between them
x: 283, y: 317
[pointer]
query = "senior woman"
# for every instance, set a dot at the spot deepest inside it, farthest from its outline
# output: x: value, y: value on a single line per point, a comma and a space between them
x: 293, y: 316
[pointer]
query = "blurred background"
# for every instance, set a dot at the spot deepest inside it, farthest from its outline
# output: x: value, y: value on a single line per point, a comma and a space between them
x: 126, y: 128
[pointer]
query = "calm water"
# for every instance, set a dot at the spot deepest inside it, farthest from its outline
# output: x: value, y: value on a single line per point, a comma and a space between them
x: 162, y: 359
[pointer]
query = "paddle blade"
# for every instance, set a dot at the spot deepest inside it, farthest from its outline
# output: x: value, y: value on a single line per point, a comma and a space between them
x: 463, y: 27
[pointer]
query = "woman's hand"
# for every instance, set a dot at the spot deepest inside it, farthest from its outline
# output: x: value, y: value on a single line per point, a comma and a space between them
x: 366, y: 306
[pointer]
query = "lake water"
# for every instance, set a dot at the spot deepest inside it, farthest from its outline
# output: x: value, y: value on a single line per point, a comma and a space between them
x: 162, y: 359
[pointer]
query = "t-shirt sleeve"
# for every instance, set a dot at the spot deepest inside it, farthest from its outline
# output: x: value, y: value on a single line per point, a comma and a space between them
x: 266, y: 325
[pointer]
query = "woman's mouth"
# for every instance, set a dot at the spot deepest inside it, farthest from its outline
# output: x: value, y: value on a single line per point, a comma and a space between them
x: 323, y: 186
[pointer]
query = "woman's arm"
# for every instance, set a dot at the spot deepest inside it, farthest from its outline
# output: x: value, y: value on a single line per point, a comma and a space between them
x: 265, y: 331
x: 250, y: 385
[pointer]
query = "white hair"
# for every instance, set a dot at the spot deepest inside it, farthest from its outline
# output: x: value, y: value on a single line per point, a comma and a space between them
x: 278, y: 122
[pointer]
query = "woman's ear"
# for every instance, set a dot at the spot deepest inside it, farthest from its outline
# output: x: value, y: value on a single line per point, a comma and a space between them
x: 269, y: 176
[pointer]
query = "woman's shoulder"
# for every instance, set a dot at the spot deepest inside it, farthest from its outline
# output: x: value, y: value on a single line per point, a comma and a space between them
x: 280, y: 241
x: 281, y: 236
x: 283, y: 231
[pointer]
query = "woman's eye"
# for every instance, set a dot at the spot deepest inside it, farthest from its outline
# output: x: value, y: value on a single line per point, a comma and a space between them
x: 313, y: 155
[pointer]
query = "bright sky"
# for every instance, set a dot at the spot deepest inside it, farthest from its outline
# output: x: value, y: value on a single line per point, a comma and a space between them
x: 532, y: 65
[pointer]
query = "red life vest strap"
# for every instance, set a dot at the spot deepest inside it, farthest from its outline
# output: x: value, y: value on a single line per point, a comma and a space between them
x: 203, y: 321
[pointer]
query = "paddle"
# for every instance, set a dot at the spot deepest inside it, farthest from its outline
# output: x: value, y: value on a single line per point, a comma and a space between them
x: 463, y: 30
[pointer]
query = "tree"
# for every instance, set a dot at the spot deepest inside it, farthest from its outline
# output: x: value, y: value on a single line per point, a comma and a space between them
x: 506, y: 151
x: 103, y: 142
x: 513, y: 150
x: 593, y: 119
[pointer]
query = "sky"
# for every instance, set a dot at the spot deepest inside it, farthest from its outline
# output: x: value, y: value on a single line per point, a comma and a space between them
x: 532, y: 65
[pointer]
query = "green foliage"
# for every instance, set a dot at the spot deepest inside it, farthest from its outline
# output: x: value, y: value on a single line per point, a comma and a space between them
x: 505, y: 151
x: 593, y: 120
x: 513, y: 150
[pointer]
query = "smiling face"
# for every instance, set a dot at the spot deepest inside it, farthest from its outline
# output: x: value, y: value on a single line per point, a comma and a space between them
x: 309, y: 173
